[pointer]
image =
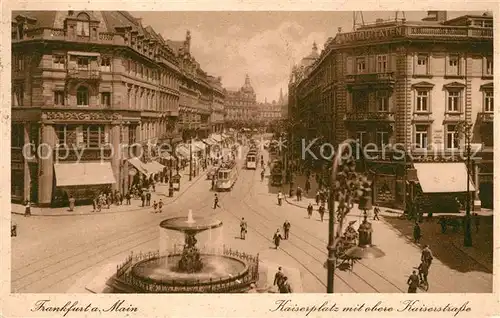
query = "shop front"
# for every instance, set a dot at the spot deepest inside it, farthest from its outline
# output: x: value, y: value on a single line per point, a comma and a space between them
x: 83, y: 180
x: 443, y: 185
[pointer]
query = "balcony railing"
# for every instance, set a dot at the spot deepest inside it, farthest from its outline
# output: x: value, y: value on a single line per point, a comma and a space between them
x: 372, y: 78
x: 485, y: 117
x: 84, y: 74
x: 370, y: 116
x: 62, y: 35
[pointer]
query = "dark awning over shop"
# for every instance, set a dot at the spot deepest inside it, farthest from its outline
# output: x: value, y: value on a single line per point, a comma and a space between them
x: 87, y: 173
x: 139, y: 165
x: 443, y: 177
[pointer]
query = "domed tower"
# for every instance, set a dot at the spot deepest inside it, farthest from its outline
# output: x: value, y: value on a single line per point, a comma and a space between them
x: 247, y: 87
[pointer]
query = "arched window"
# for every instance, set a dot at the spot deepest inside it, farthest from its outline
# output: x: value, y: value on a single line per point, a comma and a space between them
x: 82, y: 96
x: 82, y: 26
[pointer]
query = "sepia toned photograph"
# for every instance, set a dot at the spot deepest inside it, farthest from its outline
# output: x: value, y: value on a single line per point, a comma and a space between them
x: 176, y: 152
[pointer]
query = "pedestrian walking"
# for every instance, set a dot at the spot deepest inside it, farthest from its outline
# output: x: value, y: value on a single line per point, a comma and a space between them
x: 417, y: 232
x: 160, y: 206
x: 309, y: 210
x: 27, y: 208
x: 317, y: 197
x: 299, y: 194
x: 216, y: 201
x: 71, y: 203
x: 476, y: 221
x: 278, y: 278
x: 277, y: 238
x: 413, y: 283
x: 307, y: 186
x: 321, y: 211
x: 143, y: 198
x: 128, y: 197
x: 94, y: 204
x: 290, y: 192
x: 280, y: 198
x: 148, y: 198
x: 286, y: 229
x: 262, y: 175
x: 99, y: 204
x: 285, y: 286
x: 376, y: 211
x: 243, y: 228
x: 427, y: 256
x: 109, y: 200
x: 155, y: 206
x: 423, y: 271
x: 120, y: 198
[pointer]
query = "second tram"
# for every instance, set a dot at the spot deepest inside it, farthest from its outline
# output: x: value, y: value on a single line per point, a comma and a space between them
x: 226, y: 176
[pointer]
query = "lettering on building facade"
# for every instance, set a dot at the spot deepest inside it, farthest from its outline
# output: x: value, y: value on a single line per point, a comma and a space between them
x: 63, y: 154
x: 82, y: 116
x: 366, y: 35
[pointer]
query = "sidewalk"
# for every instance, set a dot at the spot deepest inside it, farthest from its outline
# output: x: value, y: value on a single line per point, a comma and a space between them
x: 160, y: 193
x: 383, y: 211
x: 479, y: 254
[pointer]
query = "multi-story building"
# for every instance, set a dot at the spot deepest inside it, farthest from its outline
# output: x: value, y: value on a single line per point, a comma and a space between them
x: 407, y: 83
x: 86, y: 85
x: 197, y: 93
x: 217, y: 105
x: 241, y: 105
x: 271, y: 112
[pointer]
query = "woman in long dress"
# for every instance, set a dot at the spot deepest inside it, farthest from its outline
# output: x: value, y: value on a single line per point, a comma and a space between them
x: 277, y: 238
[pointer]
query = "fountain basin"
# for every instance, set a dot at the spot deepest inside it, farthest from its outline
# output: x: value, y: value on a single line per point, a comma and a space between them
x: 183, y: 224
x: 163, y: 270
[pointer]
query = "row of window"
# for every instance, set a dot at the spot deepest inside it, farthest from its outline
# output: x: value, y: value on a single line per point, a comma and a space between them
x: 422, y: 65
x: 421, y: 137
x: 453, y: 101
x: 82, y: 97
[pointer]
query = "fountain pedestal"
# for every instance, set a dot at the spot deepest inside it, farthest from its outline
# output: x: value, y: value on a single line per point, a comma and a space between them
x: 191, y: 258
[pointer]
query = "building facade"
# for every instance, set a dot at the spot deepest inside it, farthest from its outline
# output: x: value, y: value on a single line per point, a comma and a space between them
x: 241, y: 106
x: 218, y: 100
x: 404, y: 83
x: 200, y: 94
x: 89, y: 87
x: 273, y: 111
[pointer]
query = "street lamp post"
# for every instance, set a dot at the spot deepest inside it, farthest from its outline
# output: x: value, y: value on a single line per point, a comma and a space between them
x: 346, y: 184
x: 190, y: 159
x: 465, y: 129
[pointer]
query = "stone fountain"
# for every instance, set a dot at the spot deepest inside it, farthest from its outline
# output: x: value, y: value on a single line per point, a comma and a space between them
x: 190, y: 271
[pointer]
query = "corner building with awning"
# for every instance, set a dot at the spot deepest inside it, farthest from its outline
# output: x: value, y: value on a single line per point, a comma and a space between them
x: 103, y: 85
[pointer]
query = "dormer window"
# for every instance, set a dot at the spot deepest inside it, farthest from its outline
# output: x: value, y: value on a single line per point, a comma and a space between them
x: 83, y: 25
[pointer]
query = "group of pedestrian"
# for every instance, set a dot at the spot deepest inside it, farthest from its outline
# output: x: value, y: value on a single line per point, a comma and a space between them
x: 415, y: 280
x: 281, y: 281
x: 157, y: 205
x: 277, y: 237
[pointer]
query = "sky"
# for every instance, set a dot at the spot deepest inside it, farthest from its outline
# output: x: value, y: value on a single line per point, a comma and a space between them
x: 263, y: 44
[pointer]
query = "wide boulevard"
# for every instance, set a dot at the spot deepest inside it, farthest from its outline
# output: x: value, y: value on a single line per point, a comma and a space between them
x: 50, y: 254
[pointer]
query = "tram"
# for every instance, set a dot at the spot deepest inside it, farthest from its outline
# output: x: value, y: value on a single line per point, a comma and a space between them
x: 252, y: 158
x: 226, y: 176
